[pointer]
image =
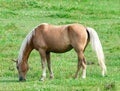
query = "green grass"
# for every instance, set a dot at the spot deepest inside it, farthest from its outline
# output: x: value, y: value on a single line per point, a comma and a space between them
x: 19, y: 17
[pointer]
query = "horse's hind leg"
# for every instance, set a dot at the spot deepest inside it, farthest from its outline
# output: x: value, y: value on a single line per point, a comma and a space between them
x: 49, y: 65
x: 78, y: 67
x: 81, y: 62
x: 83, y: 66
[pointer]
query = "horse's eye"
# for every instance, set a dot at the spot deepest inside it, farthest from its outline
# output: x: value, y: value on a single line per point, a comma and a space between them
x: 17, y: 67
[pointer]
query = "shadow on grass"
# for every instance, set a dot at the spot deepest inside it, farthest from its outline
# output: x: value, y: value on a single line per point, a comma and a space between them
x: 8, y: 81
x: 12, y: 81
x: 5, y: 80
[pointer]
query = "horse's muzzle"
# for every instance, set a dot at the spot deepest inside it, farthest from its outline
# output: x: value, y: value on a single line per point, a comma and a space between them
x: 22, y: 79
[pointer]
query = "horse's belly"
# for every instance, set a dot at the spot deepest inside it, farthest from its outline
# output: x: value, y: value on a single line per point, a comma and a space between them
x: 60, y: 49
x: 58, y: 44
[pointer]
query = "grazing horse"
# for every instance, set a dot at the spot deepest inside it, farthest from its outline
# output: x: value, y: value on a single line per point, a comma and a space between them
x: 47, y: 38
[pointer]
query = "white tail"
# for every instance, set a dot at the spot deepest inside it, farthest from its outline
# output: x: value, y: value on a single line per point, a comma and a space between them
x: 97, y: 47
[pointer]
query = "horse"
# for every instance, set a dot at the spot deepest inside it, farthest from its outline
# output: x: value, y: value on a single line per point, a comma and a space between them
x: 47, y: 38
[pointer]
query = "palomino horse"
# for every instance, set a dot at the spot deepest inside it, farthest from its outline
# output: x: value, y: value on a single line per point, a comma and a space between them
x: 48, y: 38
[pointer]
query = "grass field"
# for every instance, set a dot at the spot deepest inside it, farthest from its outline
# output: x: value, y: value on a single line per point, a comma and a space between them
x: 19, y: 17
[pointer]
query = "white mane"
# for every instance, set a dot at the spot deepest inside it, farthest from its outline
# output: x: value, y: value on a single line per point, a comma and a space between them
x: 24, y: 43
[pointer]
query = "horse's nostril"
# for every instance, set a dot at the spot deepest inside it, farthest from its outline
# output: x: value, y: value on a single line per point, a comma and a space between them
x: 22, y: 79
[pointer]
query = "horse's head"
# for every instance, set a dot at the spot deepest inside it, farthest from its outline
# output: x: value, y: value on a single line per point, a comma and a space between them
x: 22, y: 70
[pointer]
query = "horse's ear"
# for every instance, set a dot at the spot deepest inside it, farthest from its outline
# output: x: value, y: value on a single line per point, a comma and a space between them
x: 14, y: 60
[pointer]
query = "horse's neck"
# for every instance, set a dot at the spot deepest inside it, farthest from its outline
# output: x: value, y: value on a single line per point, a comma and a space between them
x: 25, y: 51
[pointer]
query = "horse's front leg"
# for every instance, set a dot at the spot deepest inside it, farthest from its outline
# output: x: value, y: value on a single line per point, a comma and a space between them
x: 49, y: 65
x: 43, y: 63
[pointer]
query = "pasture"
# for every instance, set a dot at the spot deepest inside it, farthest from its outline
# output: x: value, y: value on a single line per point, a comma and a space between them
x: 19, y: 17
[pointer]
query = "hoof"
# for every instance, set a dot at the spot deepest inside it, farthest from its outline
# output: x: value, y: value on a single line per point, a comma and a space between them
x: 75, y: 77
x: 42, y: 78
x: 83, y: 77
x: 51, y: 77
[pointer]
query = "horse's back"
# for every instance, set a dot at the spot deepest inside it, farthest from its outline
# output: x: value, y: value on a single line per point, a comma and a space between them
x: 51, y: 38
x: 59, y: 38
